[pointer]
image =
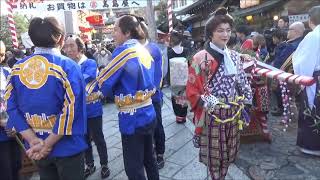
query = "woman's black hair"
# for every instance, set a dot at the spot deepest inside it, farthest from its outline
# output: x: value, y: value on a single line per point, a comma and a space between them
x: 143, y: 24
x: 244, y: 29
x: 285, y: 18
x: 45, y: 32
x: 280, y: 34
x: 131, y: 24
x: 175, y: 38
x: 220, y: 16
x: 233, y: 40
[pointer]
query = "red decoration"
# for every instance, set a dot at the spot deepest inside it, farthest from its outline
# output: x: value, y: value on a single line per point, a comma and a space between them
x: 95, y: 20
x: 12, y: 25
x: 85, y: 29
x: 84, y: 37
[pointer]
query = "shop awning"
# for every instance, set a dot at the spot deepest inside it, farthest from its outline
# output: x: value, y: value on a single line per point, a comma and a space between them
x: 257, y: 9
x: 195, y: 5
x: 191, y: 18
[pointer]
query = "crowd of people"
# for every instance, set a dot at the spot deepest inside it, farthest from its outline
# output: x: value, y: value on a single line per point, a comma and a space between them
x: 52, y: 94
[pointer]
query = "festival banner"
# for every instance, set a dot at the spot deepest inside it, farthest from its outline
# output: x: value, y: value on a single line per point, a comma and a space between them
x: 56, y: 6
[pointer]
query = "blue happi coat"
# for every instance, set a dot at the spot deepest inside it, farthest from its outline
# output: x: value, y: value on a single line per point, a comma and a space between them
x: 89, y: 72
x: 129, y: 77
x: 4, y: 73
x: 46, y: 93
x: 156, y: 54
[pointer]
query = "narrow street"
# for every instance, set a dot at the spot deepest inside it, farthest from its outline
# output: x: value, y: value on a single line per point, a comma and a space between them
x: 280, y: 160
x: 181, y: 157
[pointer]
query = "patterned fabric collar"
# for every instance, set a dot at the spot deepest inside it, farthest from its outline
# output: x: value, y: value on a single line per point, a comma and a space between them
x: 41, y: 50
x: 230, y: 68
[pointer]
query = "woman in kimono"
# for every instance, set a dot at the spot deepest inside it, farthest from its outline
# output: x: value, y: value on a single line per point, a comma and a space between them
x: 218, y: 90
x: 179, y: 103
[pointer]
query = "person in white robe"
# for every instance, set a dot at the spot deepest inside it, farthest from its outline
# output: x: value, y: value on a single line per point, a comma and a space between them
x: 306, y: 61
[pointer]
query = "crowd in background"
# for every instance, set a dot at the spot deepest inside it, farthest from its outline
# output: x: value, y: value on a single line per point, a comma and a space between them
x: 274, y: 46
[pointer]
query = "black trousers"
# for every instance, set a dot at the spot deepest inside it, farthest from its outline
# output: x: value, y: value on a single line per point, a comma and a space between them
x: 64, y: 168
x: 178, y: 109
x: 138, y: 155
x: 95, y: 132
x: 10, y: 160
x: 277, y: 94
x: 159, y: 135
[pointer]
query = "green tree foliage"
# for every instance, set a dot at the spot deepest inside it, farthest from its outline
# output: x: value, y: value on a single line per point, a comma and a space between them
x: 163, y: 14
x: 21, y: 23
x: 239, y: 21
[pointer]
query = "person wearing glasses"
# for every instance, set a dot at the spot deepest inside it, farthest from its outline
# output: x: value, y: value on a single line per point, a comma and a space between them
x: 294, y: 36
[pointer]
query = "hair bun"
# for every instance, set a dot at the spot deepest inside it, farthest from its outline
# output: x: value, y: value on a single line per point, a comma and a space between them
x: 37, y: 20
x: 221, y: 11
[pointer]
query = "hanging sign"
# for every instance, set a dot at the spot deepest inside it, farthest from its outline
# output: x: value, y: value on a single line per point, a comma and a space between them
x: 54, y: 6
x: 298, y: 17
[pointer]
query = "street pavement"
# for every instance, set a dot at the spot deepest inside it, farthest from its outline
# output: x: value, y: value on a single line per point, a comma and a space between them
x: 280, y: 160
x: 181, y: 158
x: 258, y: 160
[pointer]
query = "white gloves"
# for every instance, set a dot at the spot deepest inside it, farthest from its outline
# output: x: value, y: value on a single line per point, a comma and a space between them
x: 210, y: 101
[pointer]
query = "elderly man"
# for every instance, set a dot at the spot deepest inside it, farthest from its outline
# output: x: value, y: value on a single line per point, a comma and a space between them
x: 74, y: 49
x: 283, y: 61
x: 306, y: 61
x: 295, y: 36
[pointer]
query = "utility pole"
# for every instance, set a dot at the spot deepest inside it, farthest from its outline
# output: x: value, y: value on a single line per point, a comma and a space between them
x: 151, y: 20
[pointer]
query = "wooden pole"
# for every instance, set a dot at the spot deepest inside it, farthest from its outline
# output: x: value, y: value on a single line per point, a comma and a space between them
x: 151, y: 20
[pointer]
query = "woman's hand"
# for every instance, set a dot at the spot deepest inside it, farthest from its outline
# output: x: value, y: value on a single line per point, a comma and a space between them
x: 3, y: 122
x: 39, y: 149
x: 10, y: 132
x: 36, y: 146
x: 45, y: 151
